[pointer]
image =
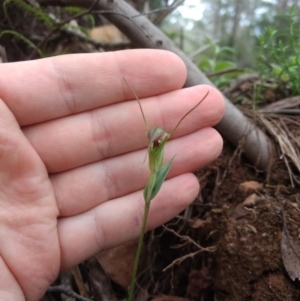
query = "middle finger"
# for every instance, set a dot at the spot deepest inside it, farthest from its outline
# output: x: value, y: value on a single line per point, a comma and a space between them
x: 83, y: 188
x: 80, y: 139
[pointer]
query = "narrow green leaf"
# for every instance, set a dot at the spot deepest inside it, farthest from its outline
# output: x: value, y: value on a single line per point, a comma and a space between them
x: 21, y: 37
x: 145, y: 193
x: 160, y: 177
x: 148, y: 189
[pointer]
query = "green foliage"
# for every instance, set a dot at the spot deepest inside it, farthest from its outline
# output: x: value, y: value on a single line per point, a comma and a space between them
x: 279, y: 52
x: 220, y: 70
x: 78, y: 10
x: 156, y: 180
x: 22, y: 38
x: 37, y: 12
x: 51, y: 22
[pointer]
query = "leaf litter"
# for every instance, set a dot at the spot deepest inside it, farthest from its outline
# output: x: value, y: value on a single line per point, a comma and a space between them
x: 290, y: 252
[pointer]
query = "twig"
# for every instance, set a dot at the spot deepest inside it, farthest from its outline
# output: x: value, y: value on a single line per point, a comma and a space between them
x: 239, y: 81
x: 3, y: 55
x: 181, y: 259
x: 168, y: 9
x: 281, y: 111
x: 286, y: 146
x: 61, y: 24
x: 63, y: 289
x: 78, y: 281
x: 289, y: 170
x: 286, y: 103
x: 189, y: 240
x: 166, y: 12
x: 202, y: 48
x: 226, y: 72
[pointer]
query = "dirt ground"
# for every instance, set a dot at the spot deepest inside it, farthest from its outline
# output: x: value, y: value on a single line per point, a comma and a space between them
x: 228, y: 245
x: 239, y: 240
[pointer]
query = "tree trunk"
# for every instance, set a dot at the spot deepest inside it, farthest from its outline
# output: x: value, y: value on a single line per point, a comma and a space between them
x: 217, y: 26
x: 234, y: 126
x: 236, y: 22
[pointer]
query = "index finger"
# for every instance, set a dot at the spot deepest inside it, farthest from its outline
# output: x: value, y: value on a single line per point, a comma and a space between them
x: 46, y: 89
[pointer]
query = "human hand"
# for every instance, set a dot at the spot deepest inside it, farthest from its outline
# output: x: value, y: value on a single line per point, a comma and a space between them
x: 72, y: 176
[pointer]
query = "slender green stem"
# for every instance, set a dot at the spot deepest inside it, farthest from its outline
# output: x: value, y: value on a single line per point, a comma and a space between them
x: 138, y: 252
x: 157, y: 138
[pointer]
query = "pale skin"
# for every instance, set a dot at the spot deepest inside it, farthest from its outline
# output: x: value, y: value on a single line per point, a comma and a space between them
x: 80, y: 124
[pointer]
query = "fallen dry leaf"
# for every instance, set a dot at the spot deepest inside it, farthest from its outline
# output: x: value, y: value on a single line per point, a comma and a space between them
x: 252, y: 200
x: 198, y: 223
x: 169, y: 298
x: 107, y: 33
x: 250, y: 186
x: 99, y: 281
x: 290, y: 253
x: 240, y: 211
x: 118, y: 263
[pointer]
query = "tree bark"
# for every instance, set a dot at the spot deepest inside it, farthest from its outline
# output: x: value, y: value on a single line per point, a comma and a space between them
x: 234, y: 126
x: 236, y: 22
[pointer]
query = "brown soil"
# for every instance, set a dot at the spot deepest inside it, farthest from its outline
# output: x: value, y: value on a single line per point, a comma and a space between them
x: 239, y: 213
x: 227, y: 245
x: 247, y: 263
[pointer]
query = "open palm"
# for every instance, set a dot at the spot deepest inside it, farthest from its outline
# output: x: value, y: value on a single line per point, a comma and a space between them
x: 72, y: 146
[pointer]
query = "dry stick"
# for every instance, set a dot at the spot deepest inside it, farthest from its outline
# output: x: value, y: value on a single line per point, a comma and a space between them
x: 181, y: 259
x: 167, y: 11
x: 79, y: 282
x: 202, y: 48
x: 61, y: 24
x: 163, y: 10
x: 63, y: 289
x: 234, y: 126
x: 190, y: 240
